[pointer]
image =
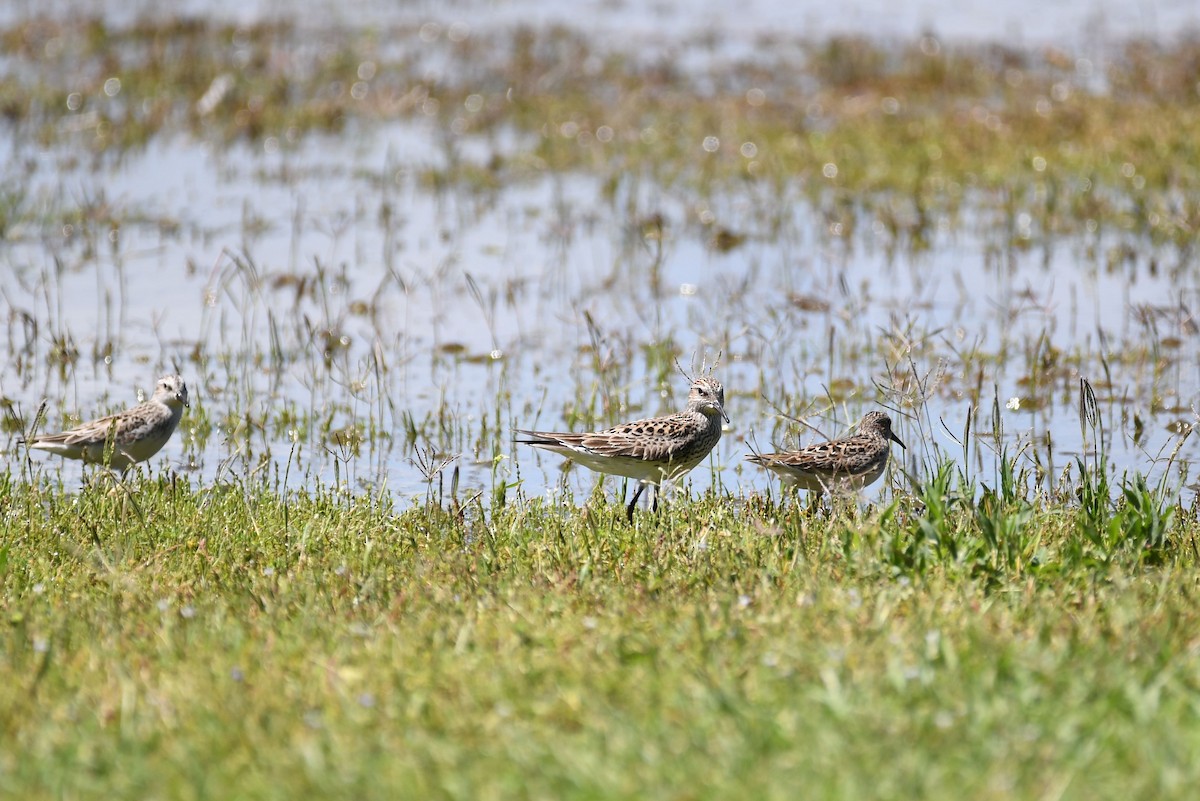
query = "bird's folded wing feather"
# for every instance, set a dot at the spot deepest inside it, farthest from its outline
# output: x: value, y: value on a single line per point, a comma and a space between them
x: 826, y: 457
x: 636, y: 440
x: 96, y: 431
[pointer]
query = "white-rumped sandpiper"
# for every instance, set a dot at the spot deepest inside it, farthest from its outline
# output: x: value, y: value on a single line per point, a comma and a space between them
x: 119, y: 440
x: 851, y: 461
x: 650, y: 451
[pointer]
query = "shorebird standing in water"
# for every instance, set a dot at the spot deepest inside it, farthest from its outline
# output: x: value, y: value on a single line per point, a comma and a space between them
x: 855, y: 461
x: 122, y: 439
x: 650, y: 451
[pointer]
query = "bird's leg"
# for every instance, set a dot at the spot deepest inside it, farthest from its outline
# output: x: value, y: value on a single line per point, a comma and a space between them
x: 654, y: 503
x: 633, y: 503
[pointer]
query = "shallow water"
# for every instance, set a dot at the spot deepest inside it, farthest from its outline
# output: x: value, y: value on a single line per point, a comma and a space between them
x: 547, y: 253
x: 1070, y: 24
x: 306, y: 287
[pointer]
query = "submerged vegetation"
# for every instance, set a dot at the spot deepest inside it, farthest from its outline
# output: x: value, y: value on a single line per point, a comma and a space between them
x: 1015, y: 616
x: 895, y: 134
x: 899, y: 149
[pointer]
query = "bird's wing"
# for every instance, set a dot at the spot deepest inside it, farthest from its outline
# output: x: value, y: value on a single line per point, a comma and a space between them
x: 826, y: 457
x: 654, y: 439
x: 96, y: 431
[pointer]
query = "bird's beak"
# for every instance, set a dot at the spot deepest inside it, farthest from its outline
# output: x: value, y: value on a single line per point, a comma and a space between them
x: 897, y: 440
x: 725, y: 414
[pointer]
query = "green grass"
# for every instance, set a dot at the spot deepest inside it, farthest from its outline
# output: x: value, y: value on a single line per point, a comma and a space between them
x: 1028, y: 637
x: 171, y: 641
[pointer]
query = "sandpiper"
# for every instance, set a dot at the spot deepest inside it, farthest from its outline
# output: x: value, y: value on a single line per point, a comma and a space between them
x: 119, y: 440
x: 854, y: 461
x: 651, y: 451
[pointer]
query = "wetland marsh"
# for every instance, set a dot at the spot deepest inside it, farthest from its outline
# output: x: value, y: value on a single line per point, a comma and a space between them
x: 416, y: 248
x: 374, y: 250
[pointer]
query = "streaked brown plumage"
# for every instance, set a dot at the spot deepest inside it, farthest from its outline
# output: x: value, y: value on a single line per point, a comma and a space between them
x: 135, y: 434
x: 855, y: 461
x: 651, y: 451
